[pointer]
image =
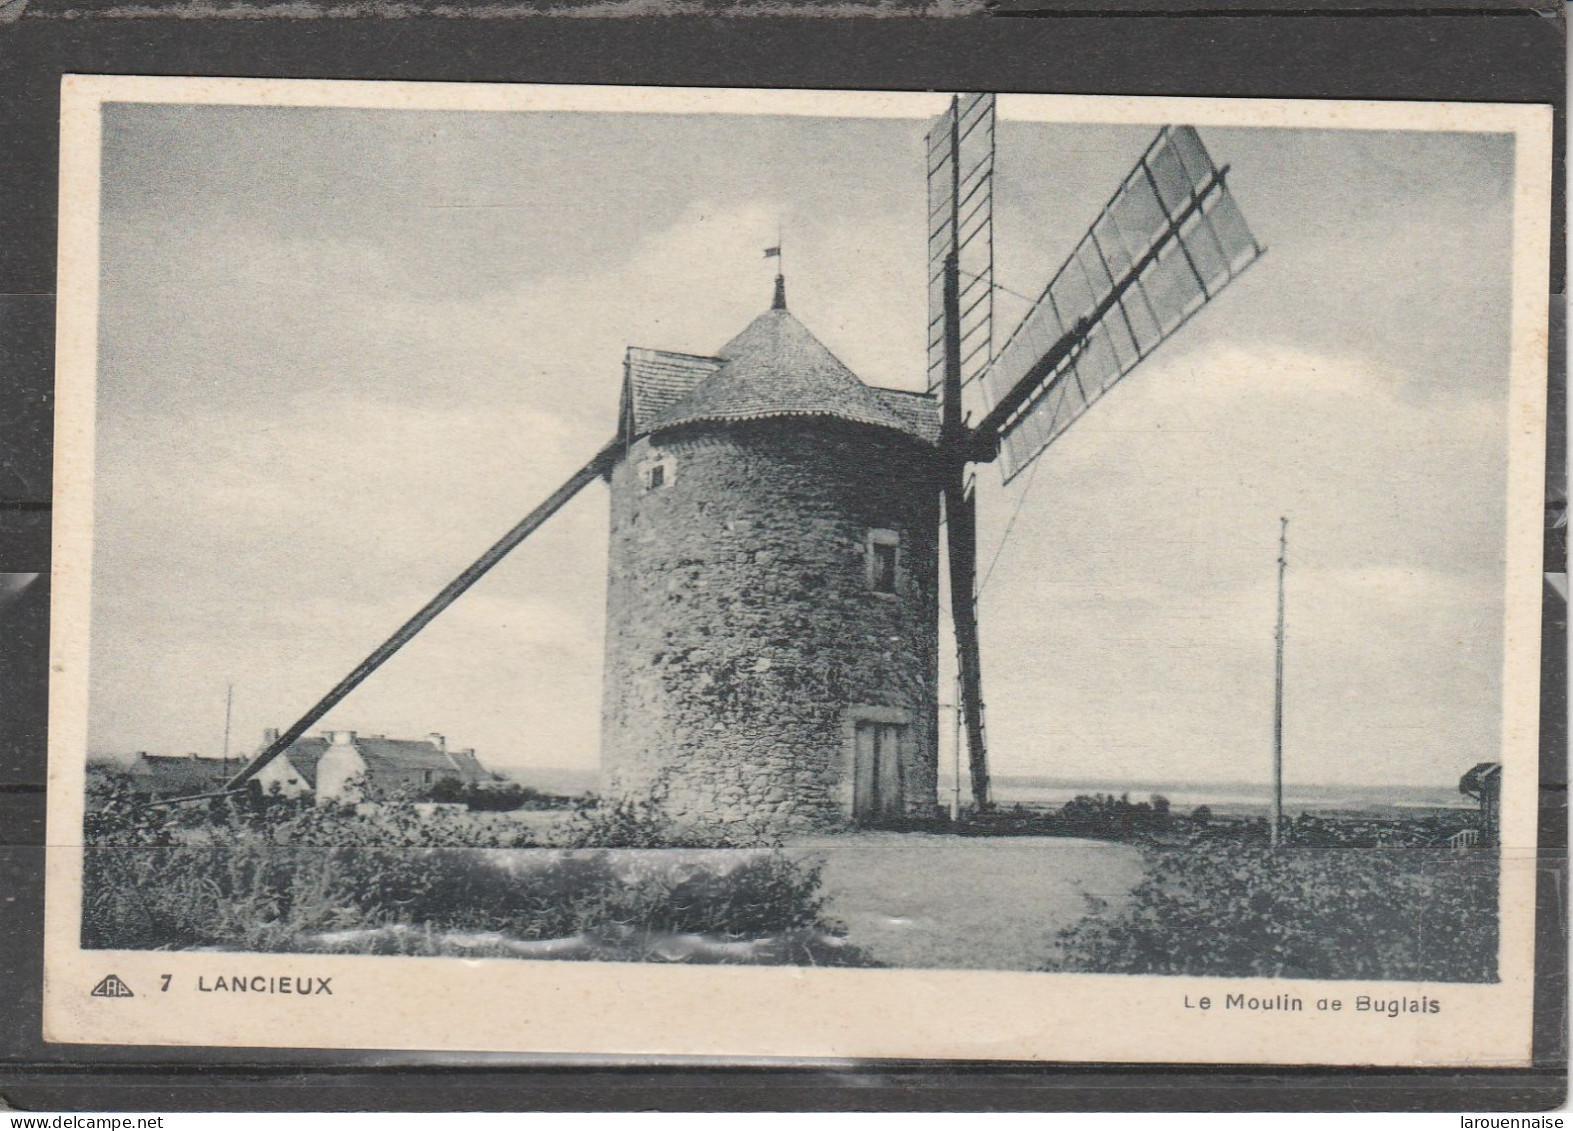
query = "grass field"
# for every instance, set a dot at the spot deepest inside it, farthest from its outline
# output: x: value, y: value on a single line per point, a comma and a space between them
x: 936, y: 901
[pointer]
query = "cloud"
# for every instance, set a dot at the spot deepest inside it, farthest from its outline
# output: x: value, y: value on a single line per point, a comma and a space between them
x: 1128, y: 623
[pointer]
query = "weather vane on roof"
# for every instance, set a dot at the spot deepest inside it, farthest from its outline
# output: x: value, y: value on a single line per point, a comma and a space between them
x: 775, y: 253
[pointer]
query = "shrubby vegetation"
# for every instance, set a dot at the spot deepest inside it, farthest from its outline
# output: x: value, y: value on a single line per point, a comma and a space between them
x: 1351, y: 902
x: 278, y: 874
x: 493, y: 797
x: 1102, y: 816
x: 1377, y: 898
x: 1099, y: 816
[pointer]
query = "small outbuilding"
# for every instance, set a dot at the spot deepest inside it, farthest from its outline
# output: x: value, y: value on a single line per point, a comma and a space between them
x: 1483, y: 783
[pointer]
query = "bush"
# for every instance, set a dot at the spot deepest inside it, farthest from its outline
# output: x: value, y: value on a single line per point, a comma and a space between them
x: 491, y: 797
x: 628, y: 823
x: 266, y: 873
x: 1103, y: 815
x: 1100, y: 816
x: 448, y: 790
x: 1236, y: 908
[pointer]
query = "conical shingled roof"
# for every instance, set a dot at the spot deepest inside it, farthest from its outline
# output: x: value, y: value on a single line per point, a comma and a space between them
x: 776, y: 367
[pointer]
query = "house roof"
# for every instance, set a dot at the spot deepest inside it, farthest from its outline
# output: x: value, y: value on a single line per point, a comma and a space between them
x: 388, y: 755
x: 147, y: 759
x: 304, y: 754
x: 400, y: 755
x: 469, y: 765
x: 774, y: 368
x: 1472, y: 782
x: 183, y: 773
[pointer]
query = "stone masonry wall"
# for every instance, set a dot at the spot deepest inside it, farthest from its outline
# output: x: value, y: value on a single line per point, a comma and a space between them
x: 743, y: 639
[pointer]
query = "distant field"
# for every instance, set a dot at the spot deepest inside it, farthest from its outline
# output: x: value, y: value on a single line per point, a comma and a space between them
x: 1237, y: 798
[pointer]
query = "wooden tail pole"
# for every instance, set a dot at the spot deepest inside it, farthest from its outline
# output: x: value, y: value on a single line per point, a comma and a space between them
x: 450, y: 593
x: 960, y: 513
x: 1278, y: 690
x: 962, y: 547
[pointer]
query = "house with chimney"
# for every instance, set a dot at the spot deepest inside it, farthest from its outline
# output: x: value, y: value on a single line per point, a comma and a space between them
x: 342, y: 765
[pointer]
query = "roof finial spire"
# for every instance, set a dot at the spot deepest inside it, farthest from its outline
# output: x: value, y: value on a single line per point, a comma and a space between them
x: 779, y: 302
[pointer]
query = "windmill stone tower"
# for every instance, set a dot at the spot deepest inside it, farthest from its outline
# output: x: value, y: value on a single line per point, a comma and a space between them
x: 772, y: 596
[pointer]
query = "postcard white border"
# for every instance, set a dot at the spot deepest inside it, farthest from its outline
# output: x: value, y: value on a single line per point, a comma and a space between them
x: 570, y: 1008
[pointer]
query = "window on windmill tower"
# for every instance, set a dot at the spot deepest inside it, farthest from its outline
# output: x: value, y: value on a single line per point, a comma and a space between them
x: 884, y: 549
x: 656, y: 473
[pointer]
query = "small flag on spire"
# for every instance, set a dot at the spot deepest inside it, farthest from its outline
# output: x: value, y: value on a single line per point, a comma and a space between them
x: 773, y: 252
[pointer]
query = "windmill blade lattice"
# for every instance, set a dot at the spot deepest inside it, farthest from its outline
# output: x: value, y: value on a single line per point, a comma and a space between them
x: 1168, y: 242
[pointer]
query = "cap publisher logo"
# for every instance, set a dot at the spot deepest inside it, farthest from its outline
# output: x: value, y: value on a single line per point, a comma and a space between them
x: 112, y: 986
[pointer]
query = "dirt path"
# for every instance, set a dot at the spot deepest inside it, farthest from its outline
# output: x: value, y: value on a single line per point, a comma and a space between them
x: 993, y: 903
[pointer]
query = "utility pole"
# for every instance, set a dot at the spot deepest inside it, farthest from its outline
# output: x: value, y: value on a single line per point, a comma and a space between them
x: 1278, y: 690
x: 229, y: 701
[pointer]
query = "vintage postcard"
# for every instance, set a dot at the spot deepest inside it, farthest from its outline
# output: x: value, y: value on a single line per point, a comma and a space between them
x: 769, y: 573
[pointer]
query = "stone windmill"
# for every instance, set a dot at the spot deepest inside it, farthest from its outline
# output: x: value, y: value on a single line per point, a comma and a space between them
x: 773, y: 590
x: 773, y: 621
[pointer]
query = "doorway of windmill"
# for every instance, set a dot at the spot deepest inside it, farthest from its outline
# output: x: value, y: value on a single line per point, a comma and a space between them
x: 935, y: 901
x: 876, y: 783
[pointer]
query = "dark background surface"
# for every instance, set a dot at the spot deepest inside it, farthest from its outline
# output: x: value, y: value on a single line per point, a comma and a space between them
x: 1511, y: 52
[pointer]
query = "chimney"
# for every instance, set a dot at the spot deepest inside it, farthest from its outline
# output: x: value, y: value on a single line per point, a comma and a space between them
x: 438, y: 741
x: 270, y: 735
x: 341, y: 737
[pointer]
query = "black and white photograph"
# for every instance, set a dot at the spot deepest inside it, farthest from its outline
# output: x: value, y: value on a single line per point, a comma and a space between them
x: 845, y: 553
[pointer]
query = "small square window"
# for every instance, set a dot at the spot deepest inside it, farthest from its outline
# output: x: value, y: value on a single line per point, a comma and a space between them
x: 657, y: 473
x: 884, y: 549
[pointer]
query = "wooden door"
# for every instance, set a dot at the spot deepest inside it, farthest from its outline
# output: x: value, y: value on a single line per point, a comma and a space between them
x: 876, y: 791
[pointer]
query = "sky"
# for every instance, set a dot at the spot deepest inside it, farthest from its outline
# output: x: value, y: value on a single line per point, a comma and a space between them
x: 341, y: 351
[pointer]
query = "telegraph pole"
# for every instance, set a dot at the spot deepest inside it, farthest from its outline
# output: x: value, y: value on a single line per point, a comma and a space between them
x: 1278, y: 690
x: 229, y: 701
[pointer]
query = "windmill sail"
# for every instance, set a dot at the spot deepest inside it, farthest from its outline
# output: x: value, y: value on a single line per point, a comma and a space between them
x: 961, y: 223
x: 960, y: 348
x: 1169, y: 240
